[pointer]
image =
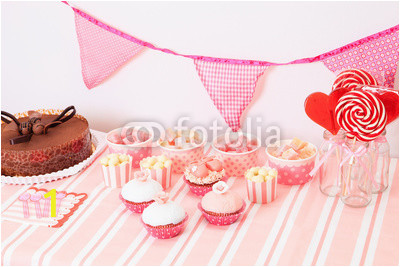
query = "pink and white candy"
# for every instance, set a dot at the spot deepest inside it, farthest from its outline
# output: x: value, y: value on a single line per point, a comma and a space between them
x: 352, y: 78
x: 361, y: 115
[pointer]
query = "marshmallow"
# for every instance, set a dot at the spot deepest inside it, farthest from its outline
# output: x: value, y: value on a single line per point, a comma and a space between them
x: 155, y: 162
x: 260, y: 174
x: 180, y: 139
x: 114, y: 160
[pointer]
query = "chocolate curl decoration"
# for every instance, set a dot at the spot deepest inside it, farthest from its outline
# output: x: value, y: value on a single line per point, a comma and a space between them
x: 34, y: 125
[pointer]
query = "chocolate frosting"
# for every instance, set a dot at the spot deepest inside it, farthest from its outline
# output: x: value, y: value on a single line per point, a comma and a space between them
x: 62, y: 133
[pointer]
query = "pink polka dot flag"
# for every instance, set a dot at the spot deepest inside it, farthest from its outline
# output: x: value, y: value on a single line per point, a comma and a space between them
x: 379, y: 56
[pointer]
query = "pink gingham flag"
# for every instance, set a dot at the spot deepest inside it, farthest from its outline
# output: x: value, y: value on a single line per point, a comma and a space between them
x: 230, y: 86
x: 378, y: 54
x: 102, y: 51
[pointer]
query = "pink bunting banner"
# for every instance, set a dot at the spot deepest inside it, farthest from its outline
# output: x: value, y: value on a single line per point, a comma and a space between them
x: 230, y: 86
x: 230, y: 83
x: 102, y: 52
x: 377, y: 54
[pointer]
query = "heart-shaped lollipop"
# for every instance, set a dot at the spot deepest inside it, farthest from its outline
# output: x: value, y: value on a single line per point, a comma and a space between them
x: 320, y: 108
x: 389, y: 98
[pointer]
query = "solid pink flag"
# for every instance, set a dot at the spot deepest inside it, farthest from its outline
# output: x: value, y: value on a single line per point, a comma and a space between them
x: 102, y: 52
x: 378, y: 54
x: 230, y: 86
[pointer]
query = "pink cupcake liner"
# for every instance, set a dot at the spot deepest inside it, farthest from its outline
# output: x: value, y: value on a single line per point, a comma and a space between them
x: 224, y: 219
x: 198, y: 190
x: 261, y: 193
x: 135, y: 207
x: 166, y: 231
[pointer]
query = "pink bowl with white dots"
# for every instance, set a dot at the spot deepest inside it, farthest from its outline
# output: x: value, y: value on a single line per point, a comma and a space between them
x: 182, y: 157
x: 292, y: 172
x: 138, y: 151
x: 236, y: 164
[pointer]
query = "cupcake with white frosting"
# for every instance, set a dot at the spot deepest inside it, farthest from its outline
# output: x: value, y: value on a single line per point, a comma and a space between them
x: 138, y: 193
x: 164, y: 218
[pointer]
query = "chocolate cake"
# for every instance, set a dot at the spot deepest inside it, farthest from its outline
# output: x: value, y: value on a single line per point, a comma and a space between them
x: 43, y: 143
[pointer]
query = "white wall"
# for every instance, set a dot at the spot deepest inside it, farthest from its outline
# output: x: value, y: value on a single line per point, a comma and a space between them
x: 41, y: 65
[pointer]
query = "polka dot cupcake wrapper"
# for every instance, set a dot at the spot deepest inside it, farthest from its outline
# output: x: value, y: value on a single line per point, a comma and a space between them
x: 135, y: 207
x: 222, y: 220
x: 198, y: 190
x: 165, y: 232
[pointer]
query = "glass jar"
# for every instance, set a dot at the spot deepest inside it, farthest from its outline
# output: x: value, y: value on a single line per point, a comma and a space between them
x: 331, y: 154
x: 380, y: 153
x: 356, y: 174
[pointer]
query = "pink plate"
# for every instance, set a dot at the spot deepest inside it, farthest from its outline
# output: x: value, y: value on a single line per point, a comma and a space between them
x: 222, y: 220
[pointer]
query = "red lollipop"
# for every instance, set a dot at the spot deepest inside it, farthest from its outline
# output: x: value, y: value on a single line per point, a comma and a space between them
x: 352, y: 78
x: 361, y: 115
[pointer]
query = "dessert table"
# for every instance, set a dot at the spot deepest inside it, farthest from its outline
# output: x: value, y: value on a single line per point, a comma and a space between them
x: 301, y: 227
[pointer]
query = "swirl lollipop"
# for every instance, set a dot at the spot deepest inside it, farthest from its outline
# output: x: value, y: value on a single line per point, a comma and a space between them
x: 361, y: 114
x: 352, y: 78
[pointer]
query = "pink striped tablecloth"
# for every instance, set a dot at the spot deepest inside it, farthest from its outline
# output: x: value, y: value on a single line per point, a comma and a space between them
x: 301, y: 227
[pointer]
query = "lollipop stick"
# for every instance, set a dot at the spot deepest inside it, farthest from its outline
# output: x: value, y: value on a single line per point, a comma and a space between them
x: 339, y: 174
x: 351, y: 162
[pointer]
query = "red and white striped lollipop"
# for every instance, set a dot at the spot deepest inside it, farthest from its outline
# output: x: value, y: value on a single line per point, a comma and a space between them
x: 361, y: 115
x: 352, y: 78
